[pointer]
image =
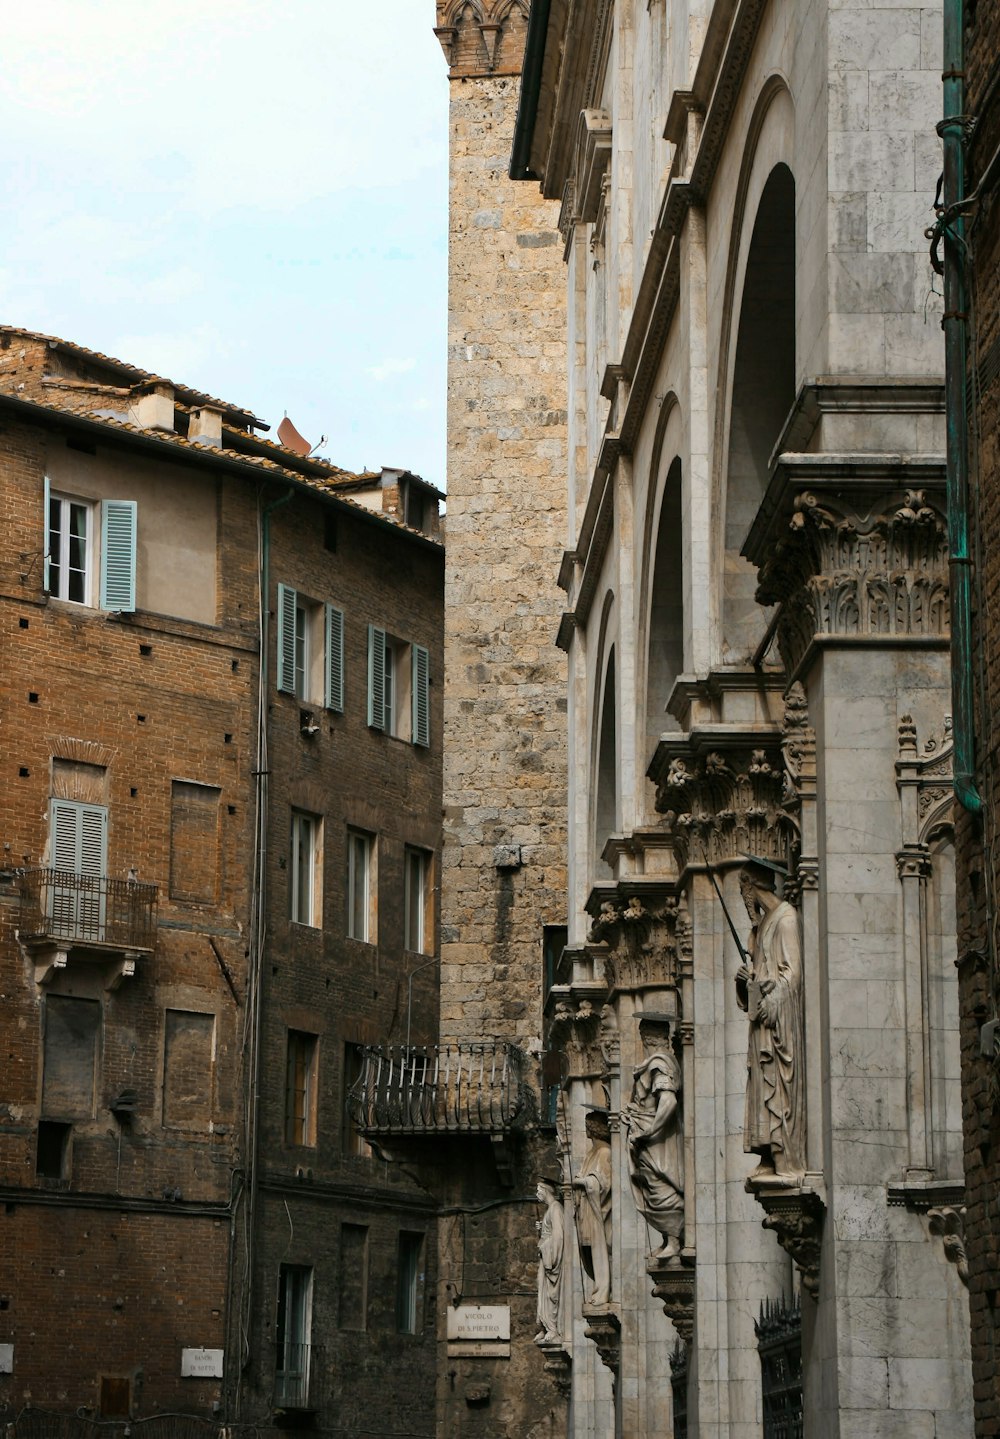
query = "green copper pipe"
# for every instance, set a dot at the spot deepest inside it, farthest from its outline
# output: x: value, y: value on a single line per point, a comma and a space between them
x: 952, y: 129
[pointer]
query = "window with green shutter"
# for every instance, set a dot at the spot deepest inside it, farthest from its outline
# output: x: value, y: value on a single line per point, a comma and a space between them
x: 398, y: 687
x: 118, y: 537
x: 310, y: 649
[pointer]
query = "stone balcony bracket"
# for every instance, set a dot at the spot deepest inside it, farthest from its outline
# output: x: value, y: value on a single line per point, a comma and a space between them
x: 795, y: 1213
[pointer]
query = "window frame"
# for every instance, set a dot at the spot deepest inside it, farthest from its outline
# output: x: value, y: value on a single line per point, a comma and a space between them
x: 305, y: 902
x: 61, y: 565
x: 310, y: 649
x: 410, y: 1248
x: 293, y: 1331
x: 361, y: 842
x: 301, y: 1062
x: 421, y: 942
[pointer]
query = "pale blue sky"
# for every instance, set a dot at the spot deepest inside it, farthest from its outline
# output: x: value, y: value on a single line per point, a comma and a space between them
x: 249, y: 196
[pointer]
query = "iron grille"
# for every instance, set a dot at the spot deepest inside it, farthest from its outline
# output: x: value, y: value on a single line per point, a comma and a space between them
x: 438, y: 1089
x: 779, y: 1343
x: 679, y: 1388
x: 295, y: 1375
x: 86, y: 909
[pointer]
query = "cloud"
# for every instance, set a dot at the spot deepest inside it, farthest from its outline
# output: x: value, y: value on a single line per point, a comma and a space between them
x: 382, y: 372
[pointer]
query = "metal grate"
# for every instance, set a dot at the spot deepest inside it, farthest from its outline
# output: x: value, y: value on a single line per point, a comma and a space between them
x: 779, y: 1343
x: 679, y: 1387
x: 86, y: 909
x: 438, y: 1089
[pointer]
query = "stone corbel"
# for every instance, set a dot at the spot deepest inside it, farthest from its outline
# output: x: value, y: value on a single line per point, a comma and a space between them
x: 559, y: 1365
x: 447, y: 34
x: 795, y: 1214
x: 723, y: 802
x: 604, y: 1327
x: 575, y: 1031
x: 642, y: 932
x: 675, y: 1290
x: 950, y: 1224
x: 491, y: 38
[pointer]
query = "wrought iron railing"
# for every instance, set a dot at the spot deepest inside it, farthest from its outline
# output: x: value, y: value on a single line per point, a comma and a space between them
x: 295, y: 1375
x: 86, y: 909
x: 439, y: 1089
x: 779, y: 1342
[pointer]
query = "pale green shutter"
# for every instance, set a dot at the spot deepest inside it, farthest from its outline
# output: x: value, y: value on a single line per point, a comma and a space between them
x: 79, y: 836
x: 118, y: 529
x: 420, y: 691
x: 47, y: 488
x: 334, y: 659
x: 286, y: 639
x: 376, y: 677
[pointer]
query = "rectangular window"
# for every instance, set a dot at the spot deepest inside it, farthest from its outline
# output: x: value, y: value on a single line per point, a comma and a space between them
x: 361, y: 886
x: 310, y: 649
x: 353, y: 1276
x: 409, y: 1283
x: 70, y: 534
x: 68, y: 549
x: 398, y: 687
x: 300, y: 1088
x: 353, y: 1141
x: 52, y: 1152
x: 294, y: 1328
x: 69, y: 1055
x: 305, y: 876
x: 417, y: 927
x: 194, y: 842
x: 188, y: 1069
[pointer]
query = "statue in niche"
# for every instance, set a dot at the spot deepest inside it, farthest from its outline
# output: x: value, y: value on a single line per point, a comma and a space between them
x: 593, y: 1211
x: 551, y: 1245
x: 770, y: 990
x: 656, y: 1138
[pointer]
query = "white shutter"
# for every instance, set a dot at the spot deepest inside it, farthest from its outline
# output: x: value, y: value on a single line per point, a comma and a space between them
x: 376, y: 677
x: 118, y: 532
x: 334, y: 659
x: 287, y: 599
x: 47, y: 493
x: 420, y: 691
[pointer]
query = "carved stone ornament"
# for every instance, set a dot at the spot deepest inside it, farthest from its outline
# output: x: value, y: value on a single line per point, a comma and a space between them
x: 643, y: 940
x: 928, y: 776
x: 471, y: 33
x: 950, y: 1224
x: 725, y: 805
x: 574, y: 1030
x: 605, y: 1329
x: 796, y: 1217
x: 559, y: 1365
x: 841, y: 570
x: 675, y: 1290
x: 609, y: 1040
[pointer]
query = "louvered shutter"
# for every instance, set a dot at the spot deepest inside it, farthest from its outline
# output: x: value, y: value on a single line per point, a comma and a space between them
x: 420, y: 691
x: 47, y: 497
x: 65, y: 820
x: 287, y: 599
x: 118, y: 529
x: 79, y: 847
x: 376, y: 677
x: 334, y: 659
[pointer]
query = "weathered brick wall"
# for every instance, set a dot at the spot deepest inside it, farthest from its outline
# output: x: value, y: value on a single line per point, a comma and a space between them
x: 979, y: 877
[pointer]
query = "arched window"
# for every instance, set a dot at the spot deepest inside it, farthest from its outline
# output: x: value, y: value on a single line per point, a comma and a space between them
x: 606, y: 804
x: 666, y: 613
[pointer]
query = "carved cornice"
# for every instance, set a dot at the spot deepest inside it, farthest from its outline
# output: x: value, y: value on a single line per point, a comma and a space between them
x: 862, y: 560
x: 604, y: 1327
x: 795, y: 1214
x: 725, y: 799
x: 674, y: 1287
x: 647, y: 931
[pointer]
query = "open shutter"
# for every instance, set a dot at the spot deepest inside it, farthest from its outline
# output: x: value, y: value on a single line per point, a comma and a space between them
x: 47, y: 490
x: 376, y: 677
x: 421, y: 695
x: 286, y: 639
x: 334, y: 659
x: 118, y: 527
x: 93, y: 839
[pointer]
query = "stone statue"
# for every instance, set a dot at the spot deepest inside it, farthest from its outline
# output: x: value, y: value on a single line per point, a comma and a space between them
x: 656, y: 1139
x: 593, y: 1211
x: 770, y: 990
x: 551, y: 1244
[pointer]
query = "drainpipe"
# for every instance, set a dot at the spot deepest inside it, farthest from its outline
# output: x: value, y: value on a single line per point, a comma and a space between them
x: 952, y: 132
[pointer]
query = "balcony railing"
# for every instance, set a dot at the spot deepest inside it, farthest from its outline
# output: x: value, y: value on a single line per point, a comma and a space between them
x: 84, y: 909
x: 439, y: 1089
x: 295, y: 1376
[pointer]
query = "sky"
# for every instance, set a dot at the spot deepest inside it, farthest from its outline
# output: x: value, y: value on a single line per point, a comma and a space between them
x: 249, y: 198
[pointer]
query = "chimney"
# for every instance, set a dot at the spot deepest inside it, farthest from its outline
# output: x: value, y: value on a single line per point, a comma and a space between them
x: 153, y: 408
x: 205, y: 426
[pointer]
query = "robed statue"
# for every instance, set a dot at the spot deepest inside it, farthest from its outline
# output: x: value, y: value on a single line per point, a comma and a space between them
x: 656, y: 1138
x: 769, y: 988
x: 593, y: 1211
x: 551, y: 1245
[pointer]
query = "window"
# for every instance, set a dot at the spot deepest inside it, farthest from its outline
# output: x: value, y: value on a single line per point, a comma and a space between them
x: 70, y: 532
x: 353, y: 1276
x: 310, y: 649
x: 305, y: 886
x: 52, y: 1153
x: 294, y: 1328
x: 300, y: 1088
x: 360, y: 886
x: 352, y: 1140
x: 417, y: 925
x: 78, y: 845
x: 409, y: 1283
x: 398, y: 687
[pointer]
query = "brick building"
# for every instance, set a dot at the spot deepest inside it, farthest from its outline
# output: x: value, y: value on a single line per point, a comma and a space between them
x: 975, y: 267
x: 220, y: 871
